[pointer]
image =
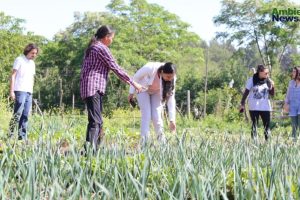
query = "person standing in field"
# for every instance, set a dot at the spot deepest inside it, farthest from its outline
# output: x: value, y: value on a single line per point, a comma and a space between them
x: 159, y: 79
x: 259, y: 88
x: 21, y: 88
x: 292, y: 101
x: 97, y: 63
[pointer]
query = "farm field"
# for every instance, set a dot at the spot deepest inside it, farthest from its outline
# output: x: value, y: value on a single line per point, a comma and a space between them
x: 209, y: 62
x: 206, y: 159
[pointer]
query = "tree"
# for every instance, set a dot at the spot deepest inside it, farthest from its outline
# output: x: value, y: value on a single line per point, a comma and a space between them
x: 251, y: 21
x: 12, y: 45
x: 144, y: 32
x: 151, y: 33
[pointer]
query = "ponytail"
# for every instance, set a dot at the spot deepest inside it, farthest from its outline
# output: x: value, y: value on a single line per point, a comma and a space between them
x: 102, y: 32
x: 92, y: 42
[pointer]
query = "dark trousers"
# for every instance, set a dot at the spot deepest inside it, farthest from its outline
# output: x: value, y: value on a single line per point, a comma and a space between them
x: 295, y: 125
x: 94, y: 131
x: 266, y: 118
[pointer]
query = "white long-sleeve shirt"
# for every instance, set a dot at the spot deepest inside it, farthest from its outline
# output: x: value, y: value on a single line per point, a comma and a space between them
x: 145, y: 76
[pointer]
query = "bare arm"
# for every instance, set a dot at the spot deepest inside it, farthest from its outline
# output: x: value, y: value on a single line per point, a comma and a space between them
x: 245, y: 95
x: 272, y: 91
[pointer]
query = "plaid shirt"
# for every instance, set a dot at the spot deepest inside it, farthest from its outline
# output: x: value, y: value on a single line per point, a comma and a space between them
x: 95, y: 68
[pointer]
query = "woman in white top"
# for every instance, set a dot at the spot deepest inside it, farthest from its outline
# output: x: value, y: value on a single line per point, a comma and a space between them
x: 259, y: 88
x: 158, y: 79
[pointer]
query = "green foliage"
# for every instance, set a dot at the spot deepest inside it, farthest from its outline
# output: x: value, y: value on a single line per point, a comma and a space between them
x: 281, y: 80
x: 144, y: 32
x: 212, y: 159
x: 5, y: 115
x: 219, y: 100
x: 219, y: 95
x: 147, y: 32
x: 47, y: 87
x: 12, y: 45
x: 250, y: 22
x: 151, y: 33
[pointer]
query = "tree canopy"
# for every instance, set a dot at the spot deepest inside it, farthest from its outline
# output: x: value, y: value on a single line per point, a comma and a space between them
x: 147, y: 32
x: 252, y: 22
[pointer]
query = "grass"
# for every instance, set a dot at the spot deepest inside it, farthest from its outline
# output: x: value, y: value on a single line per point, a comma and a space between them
x: 207, y: 159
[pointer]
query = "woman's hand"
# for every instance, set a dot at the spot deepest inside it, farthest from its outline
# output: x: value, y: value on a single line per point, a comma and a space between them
x: 272, y: 83
x: 137, y: 87
x: 286, y: 108
x: 130, y: 96
x: 242, y: 108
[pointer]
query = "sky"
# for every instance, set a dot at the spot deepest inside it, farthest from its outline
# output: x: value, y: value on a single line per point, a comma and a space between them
x: 47, y: 17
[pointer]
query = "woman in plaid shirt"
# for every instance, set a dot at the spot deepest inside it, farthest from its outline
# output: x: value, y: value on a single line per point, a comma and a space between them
x: 97, y: 63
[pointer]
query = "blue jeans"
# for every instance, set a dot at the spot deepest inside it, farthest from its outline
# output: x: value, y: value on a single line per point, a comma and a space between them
x: 22, y: 108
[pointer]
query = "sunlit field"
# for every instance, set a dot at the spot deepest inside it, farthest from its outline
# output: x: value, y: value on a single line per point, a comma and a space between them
x: 207, y: 159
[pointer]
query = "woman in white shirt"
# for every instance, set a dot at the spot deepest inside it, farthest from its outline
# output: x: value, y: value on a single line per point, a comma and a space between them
x: 259, y: 88
x: 158, y: 79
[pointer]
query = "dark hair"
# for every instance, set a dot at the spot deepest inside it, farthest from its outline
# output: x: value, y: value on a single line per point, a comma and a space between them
x: 102, y: 32
x: 297, y: 73
x: 297, y: 69
x: 30, y: 47
x: 260, y: 68
x: 167, y: 68
x: 167, y: 86
x: 257, y: 80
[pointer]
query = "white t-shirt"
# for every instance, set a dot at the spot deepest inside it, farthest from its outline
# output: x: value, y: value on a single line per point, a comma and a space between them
x: 258, y: 96
x: 25, y: 74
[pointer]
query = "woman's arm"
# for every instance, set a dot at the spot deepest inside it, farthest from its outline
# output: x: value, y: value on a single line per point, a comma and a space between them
x: 245, y: 95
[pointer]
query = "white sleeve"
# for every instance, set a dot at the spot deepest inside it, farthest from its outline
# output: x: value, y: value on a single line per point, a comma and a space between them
x: 249, y: 83
x: 172, y: 107
x: 17, y: 64
x: 140, y: 74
